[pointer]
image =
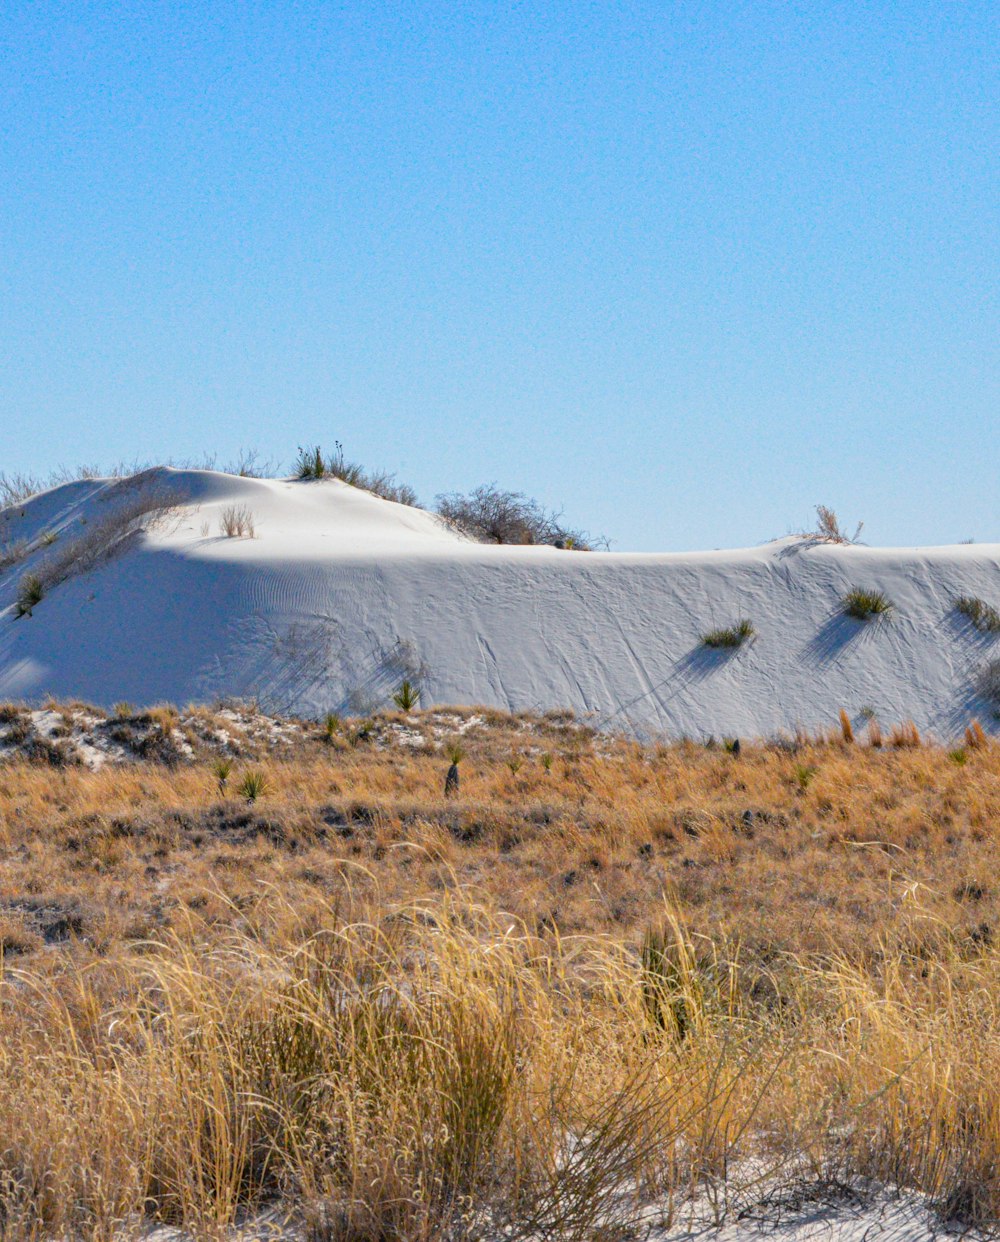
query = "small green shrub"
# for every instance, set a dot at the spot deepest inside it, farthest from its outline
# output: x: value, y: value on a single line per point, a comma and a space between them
x: 803, y: 775
x: 735, y: 636
x: 30, y: 593
x: 983, y: 616
x: 331, y: 725
x: 863, y: 603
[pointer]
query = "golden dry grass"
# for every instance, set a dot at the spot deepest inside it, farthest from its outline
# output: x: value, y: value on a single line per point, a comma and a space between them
x: 595, y: 979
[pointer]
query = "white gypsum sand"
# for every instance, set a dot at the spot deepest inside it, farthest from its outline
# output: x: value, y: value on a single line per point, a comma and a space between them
x: 341, y: 595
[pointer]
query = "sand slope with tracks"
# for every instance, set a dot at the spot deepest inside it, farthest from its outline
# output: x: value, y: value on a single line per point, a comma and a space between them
x: 341, y: 595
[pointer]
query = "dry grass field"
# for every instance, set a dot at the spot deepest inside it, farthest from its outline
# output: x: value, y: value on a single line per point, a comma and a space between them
x: 599, y: 977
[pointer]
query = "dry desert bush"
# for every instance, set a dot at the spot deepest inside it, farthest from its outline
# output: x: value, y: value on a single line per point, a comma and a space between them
x: 597, y: 977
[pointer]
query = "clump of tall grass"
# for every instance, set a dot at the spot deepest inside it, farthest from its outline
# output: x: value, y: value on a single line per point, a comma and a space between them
x: 984, y: 617
x: 13, y: 553
x: 733, y: 636
x: 862, y: 603
x: 434, y: 1074
x: 904, y: 736
x: 237, y: 522
x: 30, y: 593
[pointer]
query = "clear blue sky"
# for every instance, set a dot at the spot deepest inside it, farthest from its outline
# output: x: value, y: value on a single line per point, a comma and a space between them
x: 683, y: 270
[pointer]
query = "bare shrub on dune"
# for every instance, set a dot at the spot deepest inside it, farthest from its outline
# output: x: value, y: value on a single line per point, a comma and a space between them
x: 492, y: 515
x: 829, y: 530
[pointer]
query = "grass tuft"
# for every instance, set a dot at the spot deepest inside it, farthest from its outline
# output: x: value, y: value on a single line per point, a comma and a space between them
x: 735, y: 636
x: 863, y: 603
x: 237, y: 522
x: 30, y: 593
x: 983, y: 616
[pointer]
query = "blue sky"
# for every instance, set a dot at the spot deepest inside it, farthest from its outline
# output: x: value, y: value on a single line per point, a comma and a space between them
x: 682, y: 270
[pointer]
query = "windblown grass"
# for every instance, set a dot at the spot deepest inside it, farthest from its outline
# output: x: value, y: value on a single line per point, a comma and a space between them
x: 537, y: 1008
x: 862, y: 603
x: 733, y: 636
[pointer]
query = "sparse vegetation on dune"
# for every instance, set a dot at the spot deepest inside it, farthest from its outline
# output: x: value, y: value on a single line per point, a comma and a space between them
x: 983, y: 616
x: 133, y: 504
x: 313, y: 463
x: 563, y: 992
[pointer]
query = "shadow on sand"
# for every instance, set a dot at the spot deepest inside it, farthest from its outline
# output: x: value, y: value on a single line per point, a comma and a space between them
x: 838, y: 635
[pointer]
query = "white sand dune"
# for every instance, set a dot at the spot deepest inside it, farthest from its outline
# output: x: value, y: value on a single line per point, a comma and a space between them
x: 341, y: 595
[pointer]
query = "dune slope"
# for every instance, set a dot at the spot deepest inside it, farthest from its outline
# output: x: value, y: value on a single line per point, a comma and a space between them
x: 340, y: 595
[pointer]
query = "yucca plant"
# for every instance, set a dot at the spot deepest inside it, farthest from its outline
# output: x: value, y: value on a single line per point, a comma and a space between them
x: 454, y: 754
x: 309, y: 464
x: 863, y: 603
x: 222, y: 769
x: 252, y: 786
x: 734, y: 636
x: 331, y: 725
x: 406, y: 697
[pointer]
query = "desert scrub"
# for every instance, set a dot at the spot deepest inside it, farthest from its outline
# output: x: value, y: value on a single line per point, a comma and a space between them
x: 490, y: 514
x: 983, y: 616
x: 734, y: 636
x: 862, y: 603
